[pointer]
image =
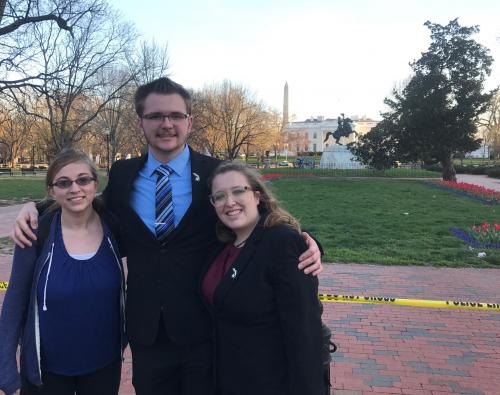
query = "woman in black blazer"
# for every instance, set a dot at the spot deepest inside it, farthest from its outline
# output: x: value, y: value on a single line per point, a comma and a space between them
x: 266, y: 311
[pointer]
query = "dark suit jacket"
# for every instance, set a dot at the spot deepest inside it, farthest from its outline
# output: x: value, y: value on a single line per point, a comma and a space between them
x: 163, y: 278
x: 268, y: 320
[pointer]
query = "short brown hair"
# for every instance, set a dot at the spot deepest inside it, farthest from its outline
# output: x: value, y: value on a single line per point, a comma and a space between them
x: 162, y: 86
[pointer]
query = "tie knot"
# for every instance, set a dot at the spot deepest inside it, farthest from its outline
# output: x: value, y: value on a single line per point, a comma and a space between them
x: 164, y: 171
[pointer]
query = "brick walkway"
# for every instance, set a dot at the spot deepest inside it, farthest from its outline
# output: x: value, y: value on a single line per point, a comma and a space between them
x: 387, y: 349
x: 403, y: 350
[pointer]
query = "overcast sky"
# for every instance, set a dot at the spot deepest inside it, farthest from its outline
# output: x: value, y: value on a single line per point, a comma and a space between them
x: 337, y: 55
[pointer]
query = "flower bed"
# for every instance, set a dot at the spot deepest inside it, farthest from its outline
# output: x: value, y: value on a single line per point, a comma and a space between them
x: 471, y: 191
x: 273, y: 176
x: 485, y: 235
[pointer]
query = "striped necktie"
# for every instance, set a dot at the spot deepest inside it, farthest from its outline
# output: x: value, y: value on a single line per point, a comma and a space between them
x: 164, y: 205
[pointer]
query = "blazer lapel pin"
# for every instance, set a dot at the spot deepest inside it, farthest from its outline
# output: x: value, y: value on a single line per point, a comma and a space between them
x: 196, y: 177
x: 235, y: 272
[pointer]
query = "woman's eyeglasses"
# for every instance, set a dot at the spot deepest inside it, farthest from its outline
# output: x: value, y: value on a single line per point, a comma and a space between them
x: 219, y: 198
x: 65, y: 183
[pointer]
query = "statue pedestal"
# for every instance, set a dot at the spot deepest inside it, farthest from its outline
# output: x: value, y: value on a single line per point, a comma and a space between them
x: 339, y: 157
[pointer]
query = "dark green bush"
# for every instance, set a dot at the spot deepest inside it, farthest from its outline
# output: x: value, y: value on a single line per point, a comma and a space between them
x: 493, y: 172
x: 478, y: 169
x: 461, y: 169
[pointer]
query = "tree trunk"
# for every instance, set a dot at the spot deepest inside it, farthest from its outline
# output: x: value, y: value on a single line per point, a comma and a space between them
x: 449, y: 173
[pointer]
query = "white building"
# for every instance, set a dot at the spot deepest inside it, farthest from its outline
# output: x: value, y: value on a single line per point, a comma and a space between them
x: 316, y: 129
x: 482, y: 152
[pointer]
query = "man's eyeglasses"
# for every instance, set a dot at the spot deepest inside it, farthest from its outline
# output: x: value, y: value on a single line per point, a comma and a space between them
x: 158, y: 117
x: 65, y: 183
x: 218, y: 199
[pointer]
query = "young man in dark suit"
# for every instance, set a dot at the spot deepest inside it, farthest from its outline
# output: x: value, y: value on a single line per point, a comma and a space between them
x: 167, y: 325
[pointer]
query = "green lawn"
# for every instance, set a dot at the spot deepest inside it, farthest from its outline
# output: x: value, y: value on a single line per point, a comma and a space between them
x: 386, y: 221
x: 28, y: 187
x: 376, y: 220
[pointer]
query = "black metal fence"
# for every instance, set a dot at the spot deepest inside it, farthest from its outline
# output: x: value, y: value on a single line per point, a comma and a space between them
x: 352, y: 170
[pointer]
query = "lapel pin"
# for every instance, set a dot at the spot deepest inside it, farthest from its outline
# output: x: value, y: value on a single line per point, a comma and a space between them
x: 235, y: 272
x: 196, y: 177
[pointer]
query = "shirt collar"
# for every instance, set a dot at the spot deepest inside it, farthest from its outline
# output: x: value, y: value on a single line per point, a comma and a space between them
x: 178, y: 164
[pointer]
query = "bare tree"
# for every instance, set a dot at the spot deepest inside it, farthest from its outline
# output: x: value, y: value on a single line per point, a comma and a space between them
x: 297, y: 141
x: 276, y: 135
x: 17, y: 21
x: 17, y: 14
x: 149, y: 62
x: 71, y: 95
x: 15, y: 133
x: 116, y: 124
x: 204, y: 136
x: 230, y: 113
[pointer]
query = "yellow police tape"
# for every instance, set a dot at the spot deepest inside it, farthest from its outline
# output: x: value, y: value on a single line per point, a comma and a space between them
x: 442, y: 304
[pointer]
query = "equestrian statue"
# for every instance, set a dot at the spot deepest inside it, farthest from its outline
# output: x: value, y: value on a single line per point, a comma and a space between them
x: 344, y: 129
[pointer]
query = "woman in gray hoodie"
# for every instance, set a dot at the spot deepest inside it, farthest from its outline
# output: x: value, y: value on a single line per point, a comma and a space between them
x: 65, y: 301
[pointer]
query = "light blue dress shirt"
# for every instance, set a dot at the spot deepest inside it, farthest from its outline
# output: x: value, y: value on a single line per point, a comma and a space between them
x: 142, y: 198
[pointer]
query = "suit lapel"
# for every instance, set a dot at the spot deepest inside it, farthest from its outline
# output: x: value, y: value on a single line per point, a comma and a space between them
x: 199, y: 191
x: 136, y: 166
x: 234, y: 274
x: 128, y: 184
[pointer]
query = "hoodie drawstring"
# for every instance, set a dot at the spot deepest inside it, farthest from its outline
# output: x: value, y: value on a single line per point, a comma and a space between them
x: 47, y: 279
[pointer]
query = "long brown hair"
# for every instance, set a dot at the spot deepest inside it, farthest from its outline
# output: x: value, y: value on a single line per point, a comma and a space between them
x: 268, y: 204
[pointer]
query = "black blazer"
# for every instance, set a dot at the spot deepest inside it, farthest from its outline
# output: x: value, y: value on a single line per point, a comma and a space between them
x: 163, y: 278
x: 268, y: 320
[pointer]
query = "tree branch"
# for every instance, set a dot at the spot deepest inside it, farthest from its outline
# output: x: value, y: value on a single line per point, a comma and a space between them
x: 61, y: 22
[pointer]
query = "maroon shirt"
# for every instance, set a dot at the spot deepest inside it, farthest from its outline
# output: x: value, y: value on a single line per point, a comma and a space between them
x: 217, y: 270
